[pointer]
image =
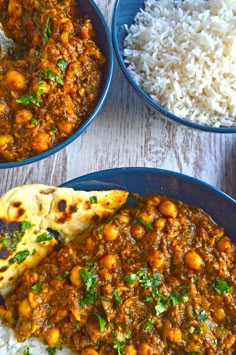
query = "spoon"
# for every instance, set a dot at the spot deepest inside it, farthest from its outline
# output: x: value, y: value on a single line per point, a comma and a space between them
x: 5, y: 42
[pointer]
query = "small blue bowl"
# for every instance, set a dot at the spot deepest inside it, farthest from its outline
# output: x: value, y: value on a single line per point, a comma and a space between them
x: 124, y: 14
x: 146, y: 181
x: 104, y: 42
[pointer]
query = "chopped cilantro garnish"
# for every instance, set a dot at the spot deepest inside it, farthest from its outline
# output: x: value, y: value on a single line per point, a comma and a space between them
x: 117, y: 297
x: 102, y: 323
x: 93, y: 200
x: 90, y: 280
x: 52, y: 350
x: 150, y: 281
x: 27, y: 352
x: 19, y: 257
x: 120, y: 345
x: 37, y: 287
x: 221, y: 286
x: 34, y: 251
x: 148, y: 324
x: 34, y: 121
x: 31, y: 98
x: 61, y: 63
x: 61, y: 278
x: 53, y: 76
x: 200, y: 313
x: 44, y: 237
x: 47, y: 30
x: 25, y: 225
x: 144, y: 223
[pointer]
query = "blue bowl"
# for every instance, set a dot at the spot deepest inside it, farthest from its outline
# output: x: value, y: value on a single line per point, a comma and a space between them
x: 146, y: 181
x: 104, y: 42
x: 124, y: 13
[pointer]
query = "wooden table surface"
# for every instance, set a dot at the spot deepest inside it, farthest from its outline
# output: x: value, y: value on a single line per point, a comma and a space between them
x: 127, y: 133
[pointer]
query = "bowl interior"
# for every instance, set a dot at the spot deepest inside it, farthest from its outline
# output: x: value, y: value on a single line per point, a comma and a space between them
x: 145, y: 181
x: 104, y: 42
x: 124, y: 14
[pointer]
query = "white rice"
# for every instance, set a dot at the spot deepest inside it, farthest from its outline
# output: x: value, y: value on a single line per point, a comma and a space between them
x: 183, y: 54
x: 10, y: 346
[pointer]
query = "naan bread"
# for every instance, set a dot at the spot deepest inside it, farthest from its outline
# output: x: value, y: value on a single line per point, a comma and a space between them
x: 33, y: 218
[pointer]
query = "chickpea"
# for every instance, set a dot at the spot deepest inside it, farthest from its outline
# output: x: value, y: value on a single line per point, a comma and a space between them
x: 23, y: 116
x: 109, y: 261
x: 90, y: 243
x: 66, y: 126
x: 89, y: 351
x: 75, y: 276
x: 145, y: 349
x: 224, y: 245
x: 148, y: 215
x: 110, y: 231
x: 6, y: 139
x: 137, y: 231
x: 25, y: 308
x: 159, y: 223
x: 175, y: 335
x: 130, y: 350
x: 41, y: 142
x: 53, y: 336
x: 124, y: 217
x: 229, y: 341
x: 43, y: 87
x: 15, y: 81
x: 193, y: 260
x: 156, y: 260
x: 219, y: 314
x: 168, y: 209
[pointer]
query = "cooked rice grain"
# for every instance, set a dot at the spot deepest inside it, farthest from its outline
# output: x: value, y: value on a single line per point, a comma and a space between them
x: 9, y: 345
x: 183, y: 54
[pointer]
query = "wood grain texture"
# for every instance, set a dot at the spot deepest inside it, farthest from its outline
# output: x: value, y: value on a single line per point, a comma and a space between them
x: 128, y: 133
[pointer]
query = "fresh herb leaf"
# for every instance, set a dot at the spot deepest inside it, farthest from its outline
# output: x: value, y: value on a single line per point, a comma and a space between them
x: 53, y: 76
x: 144, y: 223
x: 120, y: 345
x: 52, y: 350
x: 160, y: 308
x: 76, y: 325
x: 27, y: 352
x: 37, y: 287
x: 47, y: 30
x: 61, y: 278
x: 44, y: 237
x: 34, y: 121
x: 93, y: 200
x: 19, y: 257
x: 25, y: 225
x: 38, y: 55
x: 34, y: 251
x: 200, y: 313
x: 150, y: 281
x: 148, y: 323
x: 117, y: 297
x: 102, y: 323
x: 221, y: 286
x: 31, y: 98
x: 61, y: 63
x: 90, y: 280
x: 177, y: 297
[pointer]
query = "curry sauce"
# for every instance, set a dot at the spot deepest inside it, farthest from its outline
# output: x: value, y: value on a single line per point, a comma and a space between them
x: 49, y: 80
x: 156, y: 278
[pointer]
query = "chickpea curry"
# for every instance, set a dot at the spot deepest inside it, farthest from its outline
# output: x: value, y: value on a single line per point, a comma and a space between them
x: 49, y: 80
x: 156, y: 278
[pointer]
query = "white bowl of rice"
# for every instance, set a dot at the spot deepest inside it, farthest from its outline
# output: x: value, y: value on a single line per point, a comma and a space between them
x: 180, y: 56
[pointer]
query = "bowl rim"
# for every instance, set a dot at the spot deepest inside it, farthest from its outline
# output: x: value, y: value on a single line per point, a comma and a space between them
x: 147, y: 98
x: 141, y: 170
x: 97, y: 108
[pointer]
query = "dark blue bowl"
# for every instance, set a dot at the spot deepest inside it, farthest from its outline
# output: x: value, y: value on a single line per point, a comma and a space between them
x: 146, y: 181
x: 124, y: 13
x: 104, y: 42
